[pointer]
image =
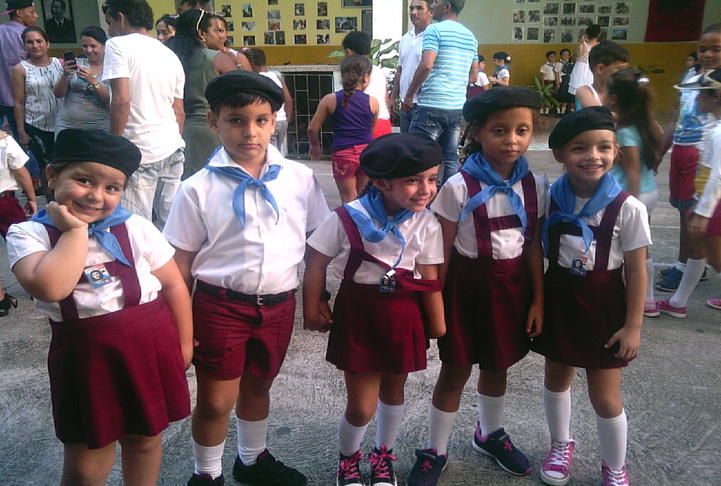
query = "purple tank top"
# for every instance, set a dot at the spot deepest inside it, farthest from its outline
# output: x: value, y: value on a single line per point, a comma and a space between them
x: 352, y: 123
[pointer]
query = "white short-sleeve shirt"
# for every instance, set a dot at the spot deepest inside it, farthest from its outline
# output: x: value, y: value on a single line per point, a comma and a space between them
x: 631, y: 231
x: 506, y: 243
x: 156, y: 78
x: 410, y: 51
x: 378, y: 88
x: 548, y: 71
x: 12, y: 157
x: 150, y: 252
x: 424, y: 245
x: 263, y: 257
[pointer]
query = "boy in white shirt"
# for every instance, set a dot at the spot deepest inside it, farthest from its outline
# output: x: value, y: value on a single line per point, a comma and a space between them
x: 239, y: 228
x: 548, y: 74
x: 12, y: 174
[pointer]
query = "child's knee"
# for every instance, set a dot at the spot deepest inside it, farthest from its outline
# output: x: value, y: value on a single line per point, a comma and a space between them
x: 87, y: 467
x: 453, y: 378
x: 360, y: 414
x: 215, y: 406
x: 605, y: 404
x: 140, y: 444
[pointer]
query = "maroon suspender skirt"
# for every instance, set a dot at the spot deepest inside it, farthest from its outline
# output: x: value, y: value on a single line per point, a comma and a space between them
x: 486, y: 301
x: 583, y: 312
x: 120, y: 373
x: 376, y: 331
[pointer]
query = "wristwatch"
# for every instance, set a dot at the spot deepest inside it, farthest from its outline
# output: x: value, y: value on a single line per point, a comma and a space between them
x: 96, y: 86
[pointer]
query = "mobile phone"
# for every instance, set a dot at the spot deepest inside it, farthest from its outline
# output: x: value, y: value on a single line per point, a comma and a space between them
x: 68, y: 56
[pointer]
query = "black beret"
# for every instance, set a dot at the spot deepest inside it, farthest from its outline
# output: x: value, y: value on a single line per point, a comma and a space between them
x: 590, y: 118
x: 400, y: 155
x: 233, y: 82
x: 18, y: 4
x: 500, y: 98
x: 77, y: 145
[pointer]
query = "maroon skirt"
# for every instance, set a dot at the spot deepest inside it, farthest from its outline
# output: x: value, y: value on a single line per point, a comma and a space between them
x: 486, y: 305
x: 116, y: 375
x: 377, y: 332
x: 580, y: 316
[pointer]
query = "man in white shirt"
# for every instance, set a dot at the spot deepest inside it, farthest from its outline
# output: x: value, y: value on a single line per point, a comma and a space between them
x: 146, y: 106
x: 409, y: 56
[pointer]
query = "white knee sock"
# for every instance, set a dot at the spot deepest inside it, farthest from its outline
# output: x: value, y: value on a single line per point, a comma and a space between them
x: 388, y: 424
x: 612, y: 435
x: 349, y: 436
x: 691, y: 278
x: 558, y: 413
x: 251, y: 439
x: 439, y: 429
x: 681, y: 266
x: 208, y: 460
x: 650, y: 283
x: 490, y: 413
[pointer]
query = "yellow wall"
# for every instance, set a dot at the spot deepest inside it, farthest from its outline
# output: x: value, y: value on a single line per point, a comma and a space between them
x: 671, y: 57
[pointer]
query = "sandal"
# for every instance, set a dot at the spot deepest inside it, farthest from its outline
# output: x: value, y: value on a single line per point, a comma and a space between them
x: 5, y: 304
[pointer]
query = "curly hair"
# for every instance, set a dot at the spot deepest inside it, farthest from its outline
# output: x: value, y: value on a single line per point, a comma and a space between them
x: 138, y: 13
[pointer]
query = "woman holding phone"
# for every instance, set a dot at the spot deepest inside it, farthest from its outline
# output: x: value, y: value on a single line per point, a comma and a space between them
x: 82, y: 86
x: 32, y: 82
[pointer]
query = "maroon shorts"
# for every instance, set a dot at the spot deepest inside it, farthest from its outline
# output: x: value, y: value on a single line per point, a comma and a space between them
x: 714, y: 225
x: 237, y: 337
x: 346, y: 162
x: 10, y: 212
x: 681, y: 176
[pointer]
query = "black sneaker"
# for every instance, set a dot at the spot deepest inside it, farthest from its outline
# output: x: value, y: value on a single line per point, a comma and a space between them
x: 267, y: 471
x: 206, y: 480
x: 427, y: 469
x: 499, y: 446
x: 348, y: 472
x: 382, y: 467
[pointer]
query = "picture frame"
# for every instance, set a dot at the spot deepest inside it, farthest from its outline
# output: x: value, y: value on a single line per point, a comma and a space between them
x: 59, y: 21
x: 357, y: 3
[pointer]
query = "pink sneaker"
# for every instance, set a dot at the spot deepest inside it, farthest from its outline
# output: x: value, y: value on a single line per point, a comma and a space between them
x: 650, y: 309
x: 666, y: 308
x: 556, y: 468
x: 715, y: 303
x: 612, y: 477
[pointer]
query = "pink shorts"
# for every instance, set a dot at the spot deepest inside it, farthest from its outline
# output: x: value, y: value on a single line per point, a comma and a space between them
x: 237, y: 337
x: 383, y: 127
x: 714, y: 225
x: 346, y: 162
x: 684, y: 161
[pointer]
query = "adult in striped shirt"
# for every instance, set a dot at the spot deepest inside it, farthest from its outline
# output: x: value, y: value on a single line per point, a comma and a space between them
x: 449, y: 63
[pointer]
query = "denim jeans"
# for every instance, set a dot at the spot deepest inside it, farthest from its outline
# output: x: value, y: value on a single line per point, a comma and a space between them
x: 152, y: 187
x: 443, y: 126
x: 405, y: 118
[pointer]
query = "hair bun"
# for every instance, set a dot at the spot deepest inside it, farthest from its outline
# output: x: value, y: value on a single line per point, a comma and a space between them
x: 508, y: 58
x: 643, y: 80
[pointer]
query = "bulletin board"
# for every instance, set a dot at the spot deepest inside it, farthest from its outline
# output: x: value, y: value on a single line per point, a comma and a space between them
x: 563, y: 21
x: 289, y: 22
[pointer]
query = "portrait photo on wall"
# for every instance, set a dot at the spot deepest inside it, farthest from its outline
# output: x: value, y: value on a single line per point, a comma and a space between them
x: 343, y: 25
x: 59, y: 21
x: 357, y: 3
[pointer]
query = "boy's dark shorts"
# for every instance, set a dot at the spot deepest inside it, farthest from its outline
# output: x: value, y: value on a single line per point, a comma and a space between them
x: 681, y: 176
x: 237, y: 337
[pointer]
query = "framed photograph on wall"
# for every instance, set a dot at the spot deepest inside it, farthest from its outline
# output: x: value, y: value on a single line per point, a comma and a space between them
x: 532, y: 33
x: 343, y: 25
x: 357, y: 3
x: 59, y: 21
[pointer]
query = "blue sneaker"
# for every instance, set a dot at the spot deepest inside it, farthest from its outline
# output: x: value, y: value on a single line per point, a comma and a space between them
x: 499, y: 446
x: 427, y: 469
x: 671, y: 281
x: 666, y: 270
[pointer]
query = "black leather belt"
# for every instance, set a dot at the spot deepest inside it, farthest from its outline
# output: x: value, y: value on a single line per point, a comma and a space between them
x: 227, y: 294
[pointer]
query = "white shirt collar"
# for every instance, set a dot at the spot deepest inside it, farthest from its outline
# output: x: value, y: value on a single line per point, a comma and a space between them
x: 220, y: 158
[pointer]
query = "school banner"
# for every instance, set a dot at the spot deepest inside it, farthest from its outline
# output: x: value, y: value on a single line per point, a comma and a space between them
x: 674, y: 20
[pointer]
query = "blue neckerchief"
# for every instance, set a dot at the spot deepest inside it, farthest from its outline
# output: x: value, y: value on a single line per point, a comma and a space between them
x: 564, y: 197
x: 373, y: 203
x: 105, y: 239
x: 246, y: 180
x: 553, y: 66
x: 501, y: 68
x: 478, y: 167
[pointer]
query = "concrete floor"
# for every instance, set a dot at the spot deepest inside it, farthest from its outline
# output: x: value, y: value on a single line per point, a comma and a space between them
x: 671, y: 393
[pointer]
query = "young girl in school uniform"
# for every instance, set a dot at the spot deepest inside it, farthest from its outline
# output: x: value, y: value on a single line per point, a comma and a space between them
x: 595, y: 235
x: 490, y: 213
x: 353, y: 116
x: 502, y: 74
x: 118, y: 307
x: 386, y: 246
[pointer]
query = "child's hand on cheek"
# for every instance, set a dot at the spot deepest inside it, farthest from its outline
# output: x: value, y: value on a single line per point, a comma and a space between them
x: 62, y: 218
